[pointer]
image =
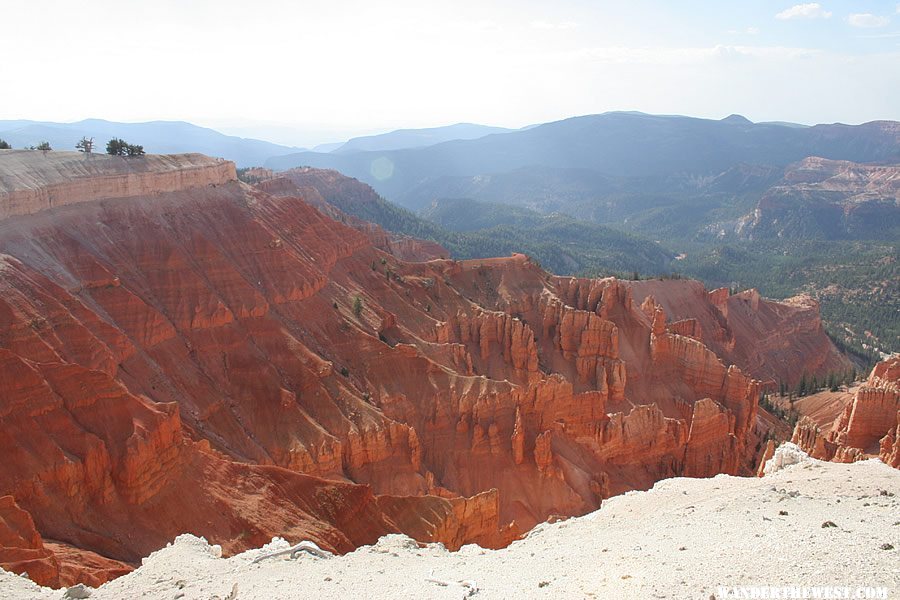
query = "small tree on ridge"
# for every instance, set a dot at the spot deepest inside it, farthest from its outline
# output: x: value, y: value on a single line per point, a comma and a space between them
x: 85, y: 145
x: 119, y: 147
x: 116, y: 147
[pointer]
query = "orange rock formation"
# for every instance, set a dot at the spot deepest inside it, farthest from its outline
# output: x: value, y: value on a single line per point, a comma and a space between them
x: 868, y: 425
x: 772, y: 341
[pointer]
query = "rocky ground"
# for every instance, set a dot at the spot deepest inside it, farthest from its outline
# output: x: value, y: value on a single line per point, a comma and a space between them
x: 683, y: 539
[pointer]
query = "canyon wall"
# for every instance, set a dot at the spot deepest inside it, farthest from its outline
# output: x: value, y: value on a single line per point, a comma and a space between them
x: 32, y: 181
x: 298, y: 183
x: 775, y: 342
x: 218, y: 360
x: 830, y: 199
x: 868, y: 426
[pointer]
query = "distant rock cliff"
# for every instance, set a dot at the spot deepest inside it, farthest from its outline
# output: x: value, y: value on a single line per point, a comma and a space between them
x: 830, y: 199
x: 346, y: 196
x: 32, y: 181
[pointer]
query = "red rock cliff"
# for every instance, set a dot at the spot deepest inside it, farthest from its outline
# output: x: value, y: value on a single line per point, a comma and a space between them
x: 771, y: 341
x: 30, y: 183
x: 867, y: 427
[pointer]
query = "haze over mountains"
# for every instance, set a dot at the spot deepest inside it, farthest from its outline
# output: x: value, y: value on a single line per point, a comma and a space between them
x: 172, y: 137
x: 617, y: 145
x: 615, y: 168
x: 417, y: 138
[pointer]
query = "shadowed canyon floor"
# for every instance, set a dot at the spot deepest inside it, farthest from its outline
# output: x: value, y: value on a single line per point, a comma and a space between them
x: 185, y: 353
x: 686, y: 538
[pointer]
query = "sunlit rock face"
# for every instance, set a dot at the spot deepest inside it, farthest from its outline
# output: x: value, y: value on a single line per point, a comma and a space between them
x: 868, y: 426
x: 30, y: 183
x: 830, y: 199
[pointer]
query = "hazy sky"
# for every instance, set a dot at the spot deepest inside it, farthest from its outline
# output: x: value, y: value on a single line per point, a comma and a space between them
x: 329, y: 69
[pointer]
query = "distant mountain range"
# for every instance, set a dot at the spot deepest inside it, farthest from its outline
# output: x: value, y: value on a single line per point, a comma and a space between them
x: 664, y: 177
x: 416, y: 138
x: 646, y: 153
x: 174, y: 137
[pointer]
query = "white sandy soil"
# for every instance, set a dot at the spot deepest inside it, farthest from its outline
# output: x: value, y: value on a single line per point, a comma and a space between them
x: 682, y: 539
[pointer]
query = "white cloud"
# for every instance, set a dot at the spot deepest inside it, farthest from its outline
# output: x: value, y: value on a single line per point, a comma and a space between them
x: 753, y: 31
x: 812, y: 10
x: 668, y: 56
x: 558, y: 26
x: 868, y: 20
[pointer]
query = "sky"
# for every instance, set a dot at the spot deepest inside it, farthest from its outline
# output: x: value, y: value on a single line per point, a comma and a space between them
x: 311, y: 71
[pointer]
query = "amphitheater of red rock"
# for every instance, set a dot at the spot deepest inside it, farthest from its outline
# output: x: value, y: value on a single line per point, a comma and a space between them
x: 181, y: 352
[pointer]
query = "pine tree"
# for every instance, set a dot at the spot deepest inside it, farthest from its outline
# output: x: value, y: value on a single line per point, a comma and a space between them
x: 116, y: 147
x: 85, y: 145
x: 802, y: 386
x: 357, y: 306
